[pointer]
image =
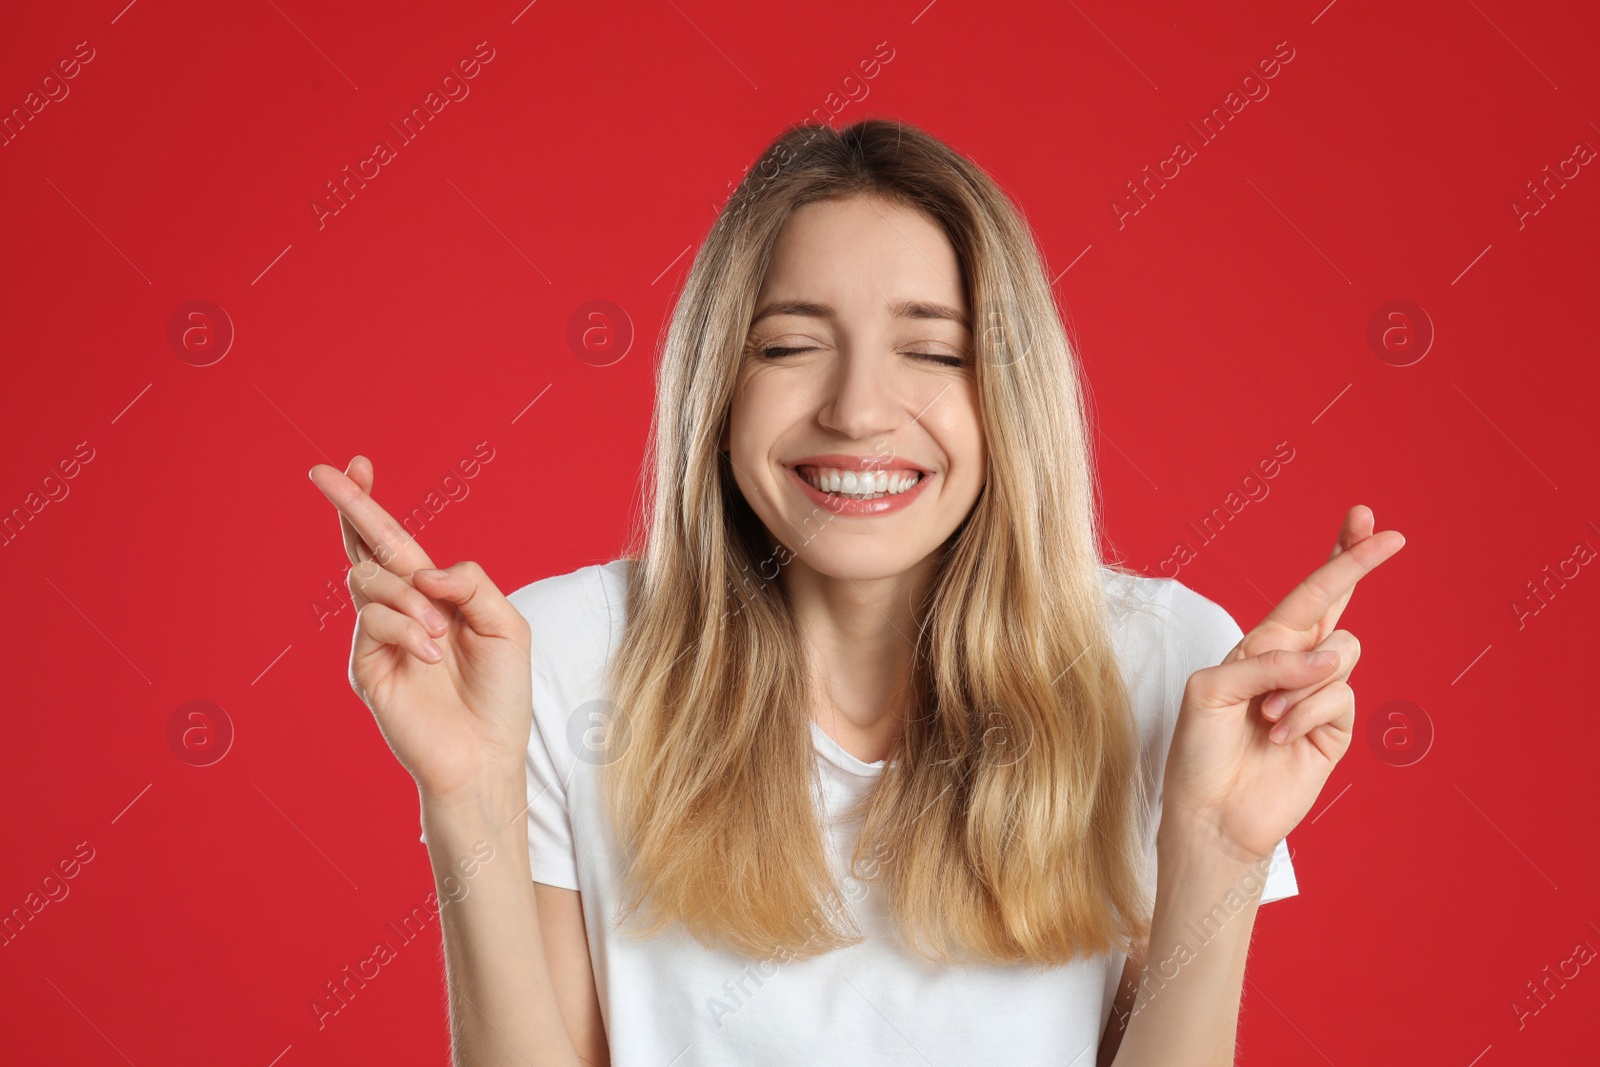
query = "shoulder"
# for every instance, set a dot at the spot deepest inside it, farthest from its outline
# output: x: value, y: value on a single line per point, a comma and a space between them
x: 1155, y: 617
x: 561, y: 599
x: 574, y: 617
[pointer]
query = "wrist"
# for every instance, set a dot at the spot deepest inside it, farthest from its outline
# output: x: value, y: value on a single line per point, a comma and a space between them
x: 493, y: 808
x: 1196, y: 839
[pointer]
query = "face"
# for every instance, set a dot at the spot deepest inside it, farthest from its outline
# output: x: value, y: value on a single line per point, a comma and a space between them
x: 854, y: 433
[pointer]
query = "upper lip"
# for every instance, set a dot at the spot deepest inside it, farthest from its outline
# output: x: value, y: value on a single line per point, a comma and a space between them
x: 874, y: 462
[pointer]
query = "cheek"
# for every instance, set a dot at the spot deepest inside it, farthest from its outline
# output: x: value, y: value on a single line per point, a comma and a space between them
x: 959, y: 431
x: 764, y: 405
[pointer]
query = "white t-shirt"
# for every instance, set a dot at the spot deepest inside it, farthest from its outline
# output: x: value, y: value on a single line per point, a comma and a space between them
x: 672, y: 1002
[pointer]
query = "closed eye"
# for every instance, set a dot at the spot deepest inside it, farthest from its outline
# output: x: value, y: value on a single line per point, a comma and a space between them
x: 942, y: 360
x: 779, y: 351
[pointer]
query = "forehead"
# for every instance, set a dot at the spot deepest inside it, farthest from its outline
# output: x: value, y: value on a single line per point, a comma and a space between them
x: 863, y: 256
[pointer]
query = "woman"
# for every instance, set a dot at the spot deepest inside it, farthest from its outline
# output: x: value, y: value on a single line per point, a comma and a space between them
x: 862, y: 752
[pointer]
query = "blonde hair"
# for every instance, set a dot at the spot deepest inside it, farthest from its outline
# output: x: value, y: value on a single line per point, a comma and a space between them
x: 1004, y: 826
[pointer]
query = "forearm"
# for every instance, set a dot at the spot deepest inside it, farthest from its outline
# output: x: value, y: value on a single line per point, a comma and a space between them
x: 1187, y: 1007
x: 503, y: 1006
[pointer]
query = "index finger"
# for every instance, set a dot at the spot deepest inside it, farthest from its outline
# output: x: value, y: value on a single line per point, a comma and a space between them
x: 392, y: 546
x: 1310, y: 601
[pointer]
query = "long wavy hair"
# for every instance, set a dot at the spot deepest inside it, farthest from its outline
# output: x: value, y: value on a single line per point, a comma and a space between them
x: 1007, y: 820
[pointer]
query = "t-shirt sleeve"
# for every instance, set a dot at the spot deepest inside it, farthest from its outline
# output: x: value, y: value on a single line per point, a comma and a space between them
x: 551, y: 856
x: 1205, y: 633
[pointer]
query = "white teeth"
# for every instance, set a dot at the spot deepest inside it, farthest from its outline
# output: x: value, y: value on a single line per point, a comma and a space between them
x: 864, y: 485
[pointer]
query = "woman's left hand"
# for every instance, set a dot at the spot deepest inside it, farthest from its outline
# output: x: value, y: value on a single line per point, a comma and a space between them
x: 1227, y: 778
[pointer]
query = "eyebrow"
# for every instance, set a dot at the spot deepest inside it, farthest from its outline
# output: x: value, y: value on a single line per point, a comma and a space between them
x: 903, y: 309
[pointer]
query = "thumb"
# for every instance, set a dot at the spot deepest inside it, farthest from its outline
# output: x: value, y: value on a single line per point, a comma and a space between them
x: 1240, y: 680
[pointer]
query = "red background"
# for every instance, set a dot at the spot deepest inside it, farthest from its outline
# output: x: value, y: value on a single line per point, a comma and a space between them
x: 1226, y: 316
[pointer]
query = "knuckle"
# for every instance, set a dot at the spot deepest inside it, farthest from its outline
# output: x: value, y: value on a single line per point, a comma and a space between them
x: 361, y: 573
x: 1198, y: 684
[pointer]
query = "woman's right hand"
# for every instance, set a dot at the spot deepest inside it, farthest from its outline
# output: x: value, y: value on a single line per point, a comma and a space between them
x: 440, y: 656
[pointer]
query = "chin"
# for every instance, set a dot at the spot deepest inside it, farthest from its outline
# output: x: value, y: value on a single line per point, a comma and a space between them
x: 859, y: 560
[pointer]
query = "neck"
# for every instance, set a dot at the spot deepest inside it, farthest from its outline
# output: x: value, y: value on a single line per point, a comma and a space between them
x: 859, y: 638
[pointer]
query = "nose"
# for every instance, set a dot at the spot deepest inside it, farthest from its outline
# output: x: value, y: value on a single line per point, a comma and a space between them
x: 861, y: 401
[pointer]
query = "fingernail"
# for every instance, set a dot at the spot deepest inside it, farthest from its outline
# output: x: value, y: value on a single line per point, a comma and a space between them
x: 432, y: 649
x: 1321, y: 659
x: 1274, y: 705
x: 1279, y: 732
x: 434, y: 620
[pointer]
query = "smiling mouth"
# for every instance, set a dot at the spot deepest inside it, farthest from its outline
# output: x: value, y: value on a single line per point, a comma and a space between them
x: 859, y: 485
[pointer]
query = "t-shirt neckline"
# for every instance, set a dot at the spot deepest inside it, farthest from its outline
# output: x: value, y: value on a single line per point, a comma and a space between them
x: 835, y: 753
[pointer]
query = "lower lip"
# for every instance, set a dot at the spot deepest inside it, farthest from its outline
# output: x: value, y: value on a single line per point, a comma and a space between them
x: 844, y: 505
